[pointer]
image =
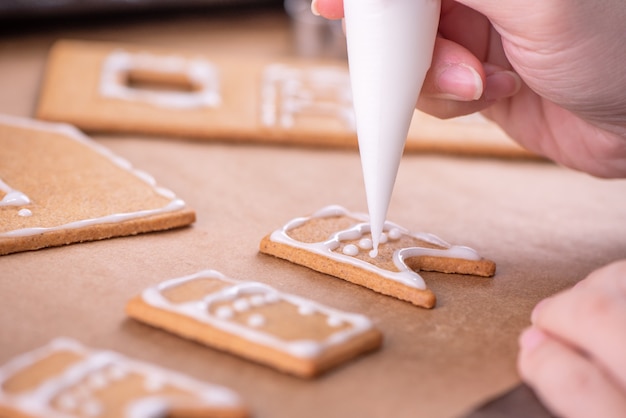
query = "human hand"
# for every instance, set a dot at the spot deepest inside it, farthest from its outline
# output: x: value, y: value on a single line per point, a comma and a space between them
x: 574, y: 353
x: 551, y: 74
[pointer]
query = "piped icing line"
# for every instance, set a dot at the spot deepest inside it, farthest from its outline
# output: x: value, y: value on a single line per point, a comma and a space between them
x: 201, y: 311
x: 198, y: 71
x: 76, y: 135
x: 174, y: 205
x: 98, y: 368
x: 289, y: 92
x: 405, y: 275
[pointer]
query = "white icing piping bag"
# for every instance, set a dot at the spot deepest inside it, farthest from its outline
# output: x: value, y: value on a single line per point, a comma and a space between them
x: 390, y: 48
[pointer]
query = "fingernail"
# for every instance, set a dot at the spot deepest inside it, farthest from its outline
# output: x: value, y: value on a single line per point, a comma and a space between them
x: 314, y: 8
x: 531, y: 338
x: 502, y: 84
x: 460, y: 82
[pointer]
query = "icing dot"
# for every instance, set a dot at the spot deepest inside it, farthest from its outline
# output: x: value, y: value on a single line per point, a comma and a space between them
x: 81, y: 392
x: 97, y: 381
x: 224, y: 312
x: 272, y: 297
x: 117, y: 373
x: 383, y: 238
x: 153, y: 384
x: 257, y: 300
x: 25, y: 212
x: 91, y: 409
x: 395, y: 233
x: 365, y: 244
x: 68, y: 402
x: 256, y: 320
x: 374, y: 253
x: 241, y: 305
x: 306, y: 310
x: 334, y: 321
x: 351, y: 250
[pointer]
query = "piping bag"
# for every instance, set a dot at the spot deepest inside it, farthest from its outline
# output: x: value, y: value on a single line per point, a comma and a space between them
x: 390, y: 49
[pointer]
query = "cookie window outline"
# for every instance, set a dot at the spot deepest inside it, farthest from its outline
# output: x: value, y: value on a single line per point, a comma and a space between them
x: 199, y: 71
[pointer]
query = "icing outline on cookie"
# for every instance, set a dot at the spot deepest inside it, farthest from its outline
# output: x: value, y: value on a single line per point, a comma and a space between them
x: 71, y: 132
x: 96, y: 370
x: 200, y: 311
x: 199, y: 72
x: 405, y: 275
x: 289, y: 92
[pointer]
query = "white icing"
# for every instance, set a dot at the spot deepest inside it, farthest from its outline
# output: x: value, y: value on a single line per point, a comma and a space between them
x: 272, y: 298
x: 37, y: 402
x: 12, y: 197
x: 334, y: 322
x: 256, y: 321
x: 68, y: 402
x: 199, y: 72
x: 153, y: 383
x: 241, y: 305
x: 92, y: 409
x: 71, y: 132
x: 202, y: 313
x: 25, y: 212
x: 115, y: 218
x: 289, y: 92
x: 257, y: 300
x: 405, y: 274
x: 306, y: 310
x: 394, y: 234
x: 117, y: 373
x: 97, y: 381
x: 390, y: 47
x: 147, y: 408
x: 365, y: 244
x: 224, y: 312
x: 350, y: 249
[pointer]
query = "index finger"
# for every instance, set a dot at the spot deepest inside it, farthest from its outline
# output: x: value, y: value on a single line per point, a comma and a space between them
x: 592, y: 317
x: 330, y: 9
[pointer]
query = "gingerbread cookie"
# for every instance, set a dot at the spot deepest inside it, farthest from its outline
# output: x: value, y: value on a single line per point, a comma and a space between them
x: 65, y: 379
x: 256, y: 321
x: 59, y: 187
x: 133, y: 89
x: 336, y: 242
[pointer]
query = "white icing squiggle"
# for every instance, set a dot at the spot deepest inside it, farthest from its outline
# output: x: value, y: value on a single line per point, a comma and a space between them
x: 199, y: 72
x: 258, y: 294
x: 99, y: 369
x: 71, y: 132
x: 394, y: 232
x: 289, y: 92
